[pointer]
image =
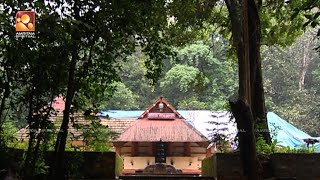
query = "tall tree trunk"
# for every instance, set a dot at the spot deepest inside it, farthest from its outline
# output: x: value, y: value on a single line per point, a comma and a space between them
x: 256, y: 82
x: 245, y: 73
x: 59, y: 171
x: 305, y: 61
x: 245, y: 124
x: 249, y: 107
x: 5, y: 95
x: 43, y: 126
x: 33, y: 127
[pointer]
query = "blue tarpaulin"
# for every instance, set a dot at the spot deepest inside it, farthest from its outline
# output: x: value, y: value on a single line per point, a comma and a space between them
x: 287, y: 134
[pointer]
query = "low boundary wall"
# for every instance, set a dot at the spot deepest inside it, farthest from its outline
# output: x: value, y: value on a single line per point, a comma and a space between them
x: 300, y: 166
x: 79, y: 165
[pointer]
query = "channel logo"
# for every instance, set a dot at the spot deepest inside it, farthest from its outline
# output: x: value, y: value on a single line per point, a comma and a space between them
x: 25, y: 21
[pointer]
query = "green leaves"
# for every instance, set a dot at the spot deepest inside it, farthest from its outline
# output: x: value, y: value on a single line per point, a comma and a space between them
x: 310, y: 10
x: 182, y: 81
x: 96, y: 136
x: 185, y: 77
x: 122, y: 99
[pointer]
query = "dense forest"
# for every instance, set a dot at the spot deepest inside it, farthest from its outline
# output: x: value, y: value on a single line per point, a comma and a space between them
x: 102, y: 55
x: 203, y: 76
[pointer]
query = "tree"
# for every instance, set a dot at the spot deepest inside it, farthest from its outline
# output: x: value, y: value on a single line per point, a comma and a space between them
x: 97, y: 46
x: 248, y: 106
x: 182, y: 81
x: 211, y: 59
x: 132, y: 74
x: 192, y: 103
x: 96, y: 49
x: 219, y: 133
x: 308, y: 9
x: 84, y: 41
x: 292, y: 99
x: 31, y: 74
x: 123, y: 98
x: 308, y: 46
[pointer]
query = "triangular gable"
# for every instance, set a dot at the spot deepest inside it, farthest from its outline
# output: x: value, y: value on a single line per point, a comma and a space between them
x: 58, y: 103
x: 154, y: 111
x: 149, y: 128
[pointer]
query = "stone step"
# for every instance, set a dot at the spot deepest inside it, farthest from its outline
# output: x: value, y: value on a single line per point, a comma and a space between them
x: 165, y: 177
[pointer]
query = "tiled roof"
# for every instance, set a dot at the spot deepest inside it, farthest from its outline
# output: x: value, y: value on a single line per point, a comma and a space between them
x: 118, y: 125
x: 177, y: 130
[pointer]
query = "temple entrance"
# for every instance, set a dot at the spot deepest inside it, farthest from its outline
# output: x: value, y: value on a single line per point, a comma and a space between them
x: 162, y: 142
x: 161, y: 149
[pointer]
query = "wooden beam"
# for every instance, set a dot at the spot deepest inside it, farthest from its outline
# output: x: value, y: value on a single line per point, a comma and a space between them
x: 187, y: 148
x: 118, y: 150
x: 203, y: 144
x: 118, y: 144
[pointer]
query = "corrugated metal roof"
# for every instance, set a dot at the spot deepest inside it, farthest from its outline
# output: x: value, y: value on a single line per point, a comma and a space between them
x: 120, y: 113
x: 133, y: 113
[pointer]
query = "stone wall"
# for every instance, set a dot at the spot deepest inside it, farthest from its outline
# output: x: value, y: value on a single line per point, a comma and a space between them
x: 228, y: 166
x: 88, y: 165
x: 208, y: 167
x: 93, y: 165
x: 300, y: 166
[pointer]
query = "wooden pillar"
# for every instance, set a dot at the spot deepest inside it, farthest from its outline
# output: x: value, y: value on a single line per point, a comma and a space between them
x: 169, y: 149
x: 134, y: 148
x: 118, y: 150
x: 208, y: 152
x: 187, y: 149
x: 153, y: 149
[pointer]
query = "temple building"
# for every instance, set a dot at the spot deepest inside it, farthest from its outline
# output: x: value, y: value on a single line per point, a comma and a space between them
x: 162, y: 135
